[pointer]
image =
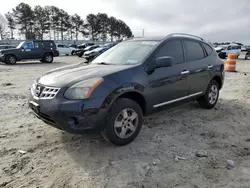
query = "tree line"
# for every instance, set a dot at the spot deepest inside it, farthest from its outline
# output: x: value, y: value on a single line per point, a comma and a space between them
x: 55, y: 23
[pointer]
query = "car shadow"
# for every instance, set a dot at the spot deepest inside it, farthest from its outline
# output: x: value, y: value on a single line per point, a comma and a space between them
x: 180, y: 130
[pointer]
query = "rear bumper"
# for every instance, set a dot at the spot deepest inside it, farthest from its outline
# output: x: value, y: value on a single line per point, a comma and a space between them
x: 73, y: 116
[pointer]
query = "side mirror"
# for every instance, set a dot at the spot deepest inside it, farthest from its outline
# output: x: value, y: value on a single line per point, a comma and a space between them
x: 164, y: 61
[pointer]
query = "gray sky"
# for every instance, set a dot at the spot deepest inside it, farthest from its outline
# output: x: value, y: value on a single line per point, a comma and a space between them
x: 215, y: 20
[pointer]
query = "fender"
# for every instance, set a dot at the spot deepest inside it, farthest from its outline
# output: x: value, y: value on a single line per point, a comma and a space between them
x: 125, y: 88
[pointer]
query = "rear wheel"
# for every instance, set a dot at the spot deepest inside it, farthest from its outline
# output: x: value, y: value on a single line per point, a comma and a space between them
x: 47, y: 58
x: 124, y: 122
x: 211, y: 96
x: 10, y: 59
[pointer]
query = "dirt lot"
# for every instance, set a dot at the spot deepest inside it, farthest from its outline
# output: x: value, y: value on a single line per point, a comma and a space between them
x: 51, y: 158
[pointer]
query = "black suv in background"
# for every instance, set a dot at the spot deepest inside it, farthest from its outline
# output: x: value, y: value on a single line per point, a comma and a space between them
x: 132, y: 79
x: 44, y: 50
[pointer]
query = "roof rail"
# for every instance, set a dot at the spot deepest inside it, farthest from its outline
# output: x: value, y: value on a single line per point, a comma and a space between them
x: 183, y: 34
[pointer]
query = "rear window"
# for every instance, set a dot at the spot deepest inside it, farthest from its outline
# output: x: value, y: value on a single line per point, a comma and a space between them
x: 207, y: 48
x: 193, y: 50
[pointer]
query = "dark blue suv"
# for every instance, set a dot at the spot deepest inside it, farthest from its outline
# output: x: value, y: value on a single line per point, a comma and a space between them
x: 133, y: 79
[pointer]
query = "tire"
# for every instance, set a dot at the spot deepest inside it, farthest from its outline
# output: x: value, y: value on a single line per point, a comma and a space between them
x: 11, y: 60
x: 209, y: 100
x: 72, y: 53
x: 123, y: 123
x: 80, y: 54
x: 47, y: 58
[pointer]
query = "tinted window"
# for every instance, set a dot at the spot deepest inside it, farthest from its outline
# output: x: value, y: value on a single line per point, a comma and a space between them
x: 48, y: 44
x: 60, y: 45
x: 173, y: 49
x: 193, y: 50
x: 207, y: 48
x: 38, y: 44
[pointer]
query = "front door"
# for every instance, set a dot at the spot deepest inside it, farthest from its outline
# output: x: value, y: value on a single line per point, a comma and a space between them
x: 169, y: 84
x: 28, y: 50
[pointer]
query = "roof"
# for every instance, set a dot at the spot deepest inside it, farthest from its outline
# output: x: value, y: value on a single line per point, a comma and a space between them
x: 156, y: 38
x: 161, y: 38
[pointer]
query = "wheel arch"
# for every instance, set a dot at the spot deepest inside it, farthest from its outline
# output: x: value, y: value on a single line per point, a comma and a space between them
x: 133, y: 94
x: 51, y: 53
x: 219, y: 80
x: 11, y: 55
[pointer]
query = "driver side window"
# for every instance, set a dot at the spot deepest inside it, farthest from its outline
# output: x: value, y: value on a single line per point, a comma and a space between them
x: 173, y: 49
x: 229, y: 48
x: 28, y: 45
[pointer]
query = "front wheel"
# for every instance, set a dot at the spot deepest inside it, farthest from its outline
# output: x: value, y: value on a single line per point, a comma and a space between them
x: 211, y: 96
x: 48, y: 58
x: 124, y: 122
x: 10, y: 59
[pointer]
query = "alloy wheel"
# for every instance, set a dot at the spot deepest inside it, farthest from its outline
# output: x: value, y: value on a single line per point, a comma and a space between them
x: 213, y: 94
x: 126, y: 123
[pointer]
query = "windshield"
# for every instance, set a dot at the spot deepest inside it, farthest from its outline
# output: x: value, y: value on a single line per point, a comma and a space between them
x: 132, y: 52
x: 20, y: 45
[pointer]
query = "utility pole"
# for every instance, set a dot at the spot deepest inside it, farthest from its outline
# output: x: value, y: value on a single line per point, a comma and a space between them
x: 142, y: 32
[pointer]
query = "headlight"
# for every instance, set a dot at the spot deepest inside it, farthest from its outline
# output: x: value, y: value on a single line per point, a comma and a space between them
x: 83, y: 89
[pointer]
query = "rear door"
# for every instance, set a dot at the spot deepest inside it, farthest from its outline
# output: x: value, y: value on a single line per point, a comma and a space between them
x: 199, y: 66
x: 38, y: 49
x: 169, y: 84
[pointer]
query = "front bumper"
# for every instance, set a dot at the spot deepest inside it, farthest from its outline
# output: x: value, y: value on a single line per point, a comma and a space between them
x: 72, y: 116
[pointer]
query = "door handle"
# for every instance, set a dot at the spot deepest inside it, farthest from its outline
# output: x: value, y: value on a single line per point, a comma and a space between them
x: 184, y: 72
x: 210, y: 66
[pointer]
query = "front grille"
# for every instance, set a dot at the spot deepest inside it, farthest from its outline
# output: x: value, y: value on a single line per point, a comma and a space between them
x: 43, y: 92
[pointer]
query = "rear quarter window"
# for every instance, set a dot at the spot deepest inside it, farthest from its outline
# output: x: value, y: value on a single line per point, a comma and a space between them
x: 207, y: 48
x: 48, y: 44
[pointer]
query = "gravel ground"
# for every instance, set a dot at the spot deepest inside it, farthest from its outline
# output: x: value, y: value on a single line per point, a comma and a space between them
x: 36, y: 155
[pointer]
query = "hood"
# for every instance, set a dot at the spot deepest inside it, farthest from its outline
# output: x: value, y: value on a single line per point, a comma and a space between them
x: 69, y: 75
x: 10, y: 50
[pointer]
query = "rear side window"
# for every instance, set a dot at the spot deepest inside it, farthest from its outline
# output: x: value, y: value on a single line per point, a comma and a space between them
x: 207, y: 48
x: 194, y: 50
x: 173, y: 49
x: 38, y: 44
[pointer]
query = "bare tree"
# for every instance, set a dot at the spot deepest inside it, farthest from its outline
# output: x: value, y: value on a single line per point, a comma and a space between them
x: 3, y: 27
